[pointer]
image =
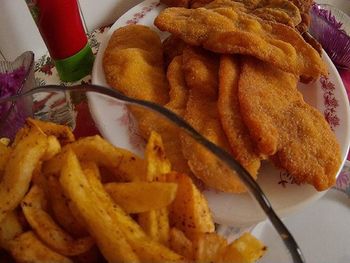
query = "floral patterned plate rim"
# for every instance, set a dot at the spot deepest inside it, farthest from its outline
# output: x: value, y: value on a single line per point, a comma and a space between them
x: 328, y: 95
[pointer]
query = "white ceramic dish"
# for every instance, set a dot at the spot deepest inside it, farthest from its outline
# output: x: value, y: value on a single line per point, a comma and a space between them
x: 322, y: 231
x: 327, y: 95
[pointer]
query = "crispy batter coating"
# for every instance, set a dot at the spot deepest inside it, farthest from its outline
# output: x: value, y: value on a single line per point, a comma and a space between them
x: 149, y: 121
x: 133, y: 64
x: 178, y: 99
x: 178, y: 90
x: 176, y: 3
x: 283, y: 125
x: 172, y: 47
x: 281, y: 11
x: 201, y: 74
x: 304, y: 7
x: 227, y: 31
x: 243, y: 149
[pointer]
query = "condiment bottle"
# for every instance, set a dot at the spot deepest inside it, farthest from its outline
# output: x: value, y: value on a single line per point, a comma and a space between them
x: 62, y: 30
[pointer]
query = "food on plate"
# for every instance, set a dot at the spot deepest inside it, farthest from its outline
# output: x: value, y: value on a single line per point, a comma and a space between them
x: 226, y: 30
x: 155, y: 215
x: 172, y: 47
x: 201, y: 75
x: 281, y: 11
x: 178, y: 89
x: 138, y: 197
x: 242, y: 146
x: 151, y: 83
x: 34, y: 206
x: 27, y: 247
x: 245, y: 249
x: 285, y: 127
x: 294, y: 13
x: 204, y: 83
x: 10, y: 227
x: 179, y: 3
x: 133, y: 63
x: 304, y: 8
x: 17, y: 175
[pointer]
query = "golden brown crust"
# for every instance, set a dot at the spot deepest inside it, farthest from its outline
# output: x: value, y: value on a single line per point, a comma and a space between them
x: 133, y: 64
x: 227, y: 31
x: 283, y: 125
x: 242, y: 147
x: 201, y: 74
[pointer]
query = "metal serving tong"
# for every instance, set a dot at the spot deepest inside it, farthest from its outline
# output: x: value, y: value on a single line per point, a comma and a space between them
x: 253, y: 188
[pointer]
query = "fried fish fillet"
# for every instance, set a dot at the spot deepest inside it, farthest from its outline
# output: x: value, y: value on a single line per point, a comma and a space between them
x: 178, y: 100
x: 281, y: 11
x: 133, y: 64
x: 176, y: 3
x: 243, y: 149
x: 178, y: 90
x: 201, y: 75
x: 172, y: 47
x: 283, y: 125
x: 224, y: 30
x: 304, y: 7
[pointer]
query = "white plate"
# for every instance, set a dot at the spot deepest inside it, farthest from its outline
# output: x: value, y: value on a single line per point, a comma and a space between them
x: 322, y: 232
x: 327, y: 95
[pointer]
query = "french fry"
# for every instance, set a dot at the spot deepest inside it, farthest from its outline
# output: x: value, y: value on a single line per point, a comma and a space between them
x: 91, y: 167
x: 33, y: 206
x: 157, y: 162
x: 4, y: 156
x: 10, y: 227
x: 28, y: 248
x: 245, y: 249
x: 180, y: 243
x: 207, y: 247
x: 189, y: 212
x: 62, y: 132
x: 18, y: 172
x: 53, y: 147
x: 106, y: 231
x: 61, y: 210
x: 156, y: 222
x: 123, y: 164
x: 147, y: 249
x: 138, y: 197
x: 83, y: 201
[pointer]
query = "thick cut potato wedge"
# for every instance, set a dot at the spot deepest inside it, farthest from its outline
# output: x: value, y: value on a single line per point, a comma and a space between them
x: 60, y: 206
x: 62, y: 132
x: 53, y: 147
x: 207, y: 247
x: 10, y: 227
x: 138, y: 197
x: 189, y: 212
x: 19, y: 169
x: 245, y: 249
x: 49, y: 232
x: 147, y: 249
x: 28, y: 248
x: 180, y: 243
x: 123, y: 164
x: 4, y: 156
x: 106, y: 231
x: 156, y: 222
x: 157, y: 162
